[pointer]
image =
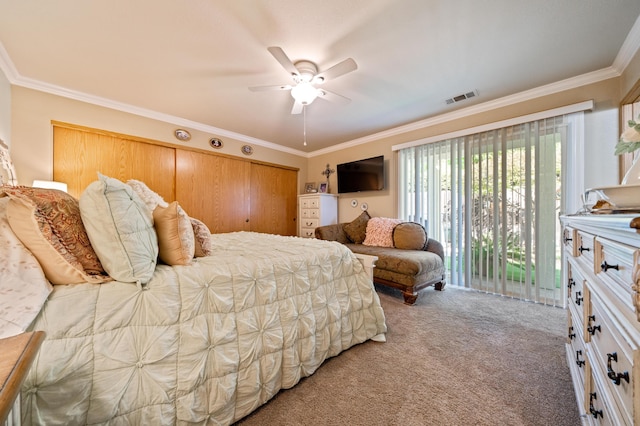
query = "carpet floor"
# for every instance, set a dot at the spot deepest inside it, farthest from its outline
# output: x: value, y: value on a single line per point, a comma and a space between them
x: 456, y: 357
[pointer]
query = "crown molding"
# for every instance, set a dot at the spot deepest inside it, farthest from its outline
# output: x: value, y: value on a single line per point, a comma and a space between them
x: 549, y: 89
x: 629, y: 48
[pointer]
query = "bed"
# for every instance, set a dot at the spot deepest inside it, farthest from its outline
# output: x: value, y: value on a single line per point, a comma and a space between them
x: 197, y: 340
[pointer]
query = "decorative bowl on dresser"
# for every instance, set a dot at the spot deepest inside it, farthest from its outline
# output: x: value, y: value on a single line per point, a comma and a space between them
x: 601, y: 268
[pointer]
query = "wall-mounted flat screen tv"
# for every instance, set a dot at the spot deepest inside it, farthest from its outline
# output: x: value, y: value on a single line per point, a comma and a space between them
x: 361, y: 175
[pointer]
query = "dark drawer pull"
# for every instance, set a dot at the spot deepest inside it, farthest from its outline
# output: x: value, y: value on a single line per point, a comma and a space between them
x: 592, y: 329
x: 581, y: 249
x: 567, y: 239
x: 605, y: 266
x: 595, y: 413
x: 571, y: 283
x: 572, y: 335
x: 579, y: 362
x: 579, y: 298
x: 615, y: 377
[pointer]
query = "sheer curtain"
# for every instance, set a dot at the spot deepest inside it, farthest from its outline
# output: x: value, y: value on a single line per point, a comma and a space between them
x: 493, y: 198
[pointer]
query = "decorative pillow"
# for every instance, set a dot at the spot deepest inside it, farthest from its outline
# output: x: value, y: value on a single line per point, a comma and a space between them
x: 151, y: 199
x: 202, y: 237
x: 409, y: 236
x: 356, y: 230
x: 120, y: 228
x: 48, y: 223
x: 176, y: 243
x: 380, y: 231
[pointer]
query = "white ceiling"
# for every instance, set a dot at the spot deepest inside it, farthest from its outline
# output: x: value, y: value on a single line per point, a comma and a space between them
x: 193, y: 61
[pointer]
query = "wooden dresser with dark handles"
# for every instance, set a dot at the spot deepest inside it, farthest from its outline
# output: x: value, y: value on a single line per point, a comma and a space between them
x: 601, y: 269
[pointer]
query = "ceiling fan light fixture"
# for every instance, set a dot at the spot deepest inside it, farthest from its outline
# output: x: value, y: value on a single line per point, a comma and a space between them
x: 304, y: 93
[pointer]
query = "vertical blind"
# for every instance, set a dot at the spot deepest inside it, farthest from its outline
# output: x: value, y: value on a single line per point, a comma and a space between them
x: 493, y: 198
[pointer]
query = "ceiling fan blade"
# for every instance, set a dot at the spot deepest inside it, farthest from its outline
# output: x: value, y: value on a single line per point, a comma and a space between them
x: 333, y: 97
x: 337, y: 70
x: 284, y: 60
x: 265, y: 88
x: 297, y: 108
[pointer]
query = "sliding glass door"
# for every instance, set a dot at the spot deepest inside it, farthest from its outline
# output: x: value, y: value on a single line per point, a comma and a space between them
x: 493, y: 199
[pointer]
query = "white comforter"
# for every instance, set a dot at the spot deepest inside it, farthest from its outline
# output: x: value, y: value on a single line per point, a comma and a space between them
x: 202, y: 344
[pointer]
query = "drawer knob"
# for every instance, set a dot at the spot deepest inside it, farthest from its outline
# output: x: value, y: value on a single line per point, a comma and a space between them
x: 579, y: 298
x: 579, y: 362
x: 595, y: 413
x: 605, y: 266
x: 581, y: 249
x: 616, y: 378
x: 572, y: 335
x: 592, y: 329
x: 567, y: 239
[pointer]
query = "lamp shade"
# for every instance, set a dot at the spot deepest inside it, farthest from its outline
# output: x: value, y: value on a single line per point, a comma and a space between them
x: 49, y: 184
x: 304, y: 93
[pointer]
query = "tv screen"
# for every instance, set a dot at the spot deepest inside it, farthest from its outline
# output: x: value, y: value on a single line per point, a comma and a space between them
x: 361, y: 175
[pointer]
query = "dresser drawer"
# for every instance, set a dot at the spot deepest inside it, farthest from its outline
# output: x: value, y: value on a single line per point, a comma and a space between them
x: 584, y: 249
x: 310, y: 213
x: 308, y: 232
x: 568, y: 239
x: 310, y: 203
x: 576, y: 292
x: 576, y: 353
x: 615, y: 265
x: 309, y: 223
x: 615, y: 359
x: 599, y: 408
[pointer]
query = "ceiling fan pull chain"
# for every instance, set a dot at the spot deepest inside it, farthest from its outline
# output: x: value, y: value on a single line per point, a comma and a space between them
x: 304, y: 124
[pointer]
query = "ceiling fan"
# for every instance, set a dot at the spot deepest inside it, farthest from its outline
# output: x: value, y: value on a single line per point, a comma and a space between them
x: 306, y: 78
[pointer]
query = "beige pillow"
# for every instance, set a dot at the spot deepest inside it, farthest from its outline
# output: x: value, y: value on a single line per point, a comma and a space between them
x: 176, y: 242
x: 356, y: 230
x: 409, y: 236
x: 48, y: 223
x: 151, y: 199
x: 120, y: 228
x: 202, y: 237
x: 380, y: 231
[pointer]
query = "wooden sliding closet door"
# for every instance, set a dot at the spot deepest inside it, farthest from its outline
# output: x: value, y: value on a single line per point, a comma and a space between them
x: 214, y: 189
x: 273, y: 200
x: 79, y: 155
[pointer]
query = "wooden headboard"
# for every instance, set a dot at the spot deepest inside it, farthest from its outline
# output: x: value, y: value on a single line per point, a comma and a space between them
x: 227, y: 193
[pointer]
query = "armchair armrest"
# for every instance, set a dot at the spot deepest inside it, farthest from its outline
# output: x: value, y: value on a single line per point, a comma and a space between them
x: 332, y: 233
x: 436, y: 247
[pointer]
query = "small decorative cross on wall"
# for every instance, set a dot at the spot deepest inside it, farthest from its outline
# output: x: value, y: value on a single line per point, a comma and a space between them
x: 326, y: 173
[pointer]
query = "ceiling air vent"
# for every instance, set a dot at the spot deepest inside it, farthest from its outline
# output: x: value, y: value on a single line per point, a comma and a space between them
x: 462, y: 97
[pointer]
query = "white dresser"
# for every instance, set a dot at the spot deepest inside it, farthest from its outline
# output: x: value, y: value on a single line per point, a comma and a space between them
x: 601, y: 269
x: 316, y: 210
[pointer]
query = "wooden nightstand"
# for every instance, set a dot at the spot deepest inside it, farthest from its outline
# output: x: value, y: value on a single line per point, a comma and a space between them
x: 16, y: 355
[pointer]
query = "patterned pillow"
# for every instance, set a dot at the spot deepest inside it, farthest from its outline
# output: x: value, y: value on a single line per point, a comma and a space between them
x: 48, y: 223
x: 409, y: 236
x: 202, y: 237
x: 120, y: 228
x: 176, y: 243
x: 380, y: 231
x: 356, y: 230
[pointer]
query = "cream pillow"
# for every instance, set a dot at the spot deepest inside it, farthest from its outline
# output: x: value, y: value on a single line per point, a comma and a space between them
x: 121, y: 230
x: 151, y: 198
x: 176, y: 242
x: 48, y: 223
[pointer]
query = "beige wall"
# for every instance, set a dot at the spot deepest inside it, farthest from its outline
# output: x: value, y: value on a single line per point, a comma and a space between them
x: 5, y: 109
x: 31, y: 133
x: 601, y: 133
x: 31, y: 113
